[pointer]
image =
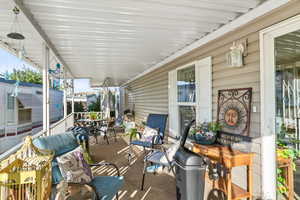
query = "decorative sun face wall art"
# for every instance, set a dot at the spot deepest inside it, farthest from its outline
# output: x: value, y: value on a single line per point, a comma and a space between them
x: 234, y: 108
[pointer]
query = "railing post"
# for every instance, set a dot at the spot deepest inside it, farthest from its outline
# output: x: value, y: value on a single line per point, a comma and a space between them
x: 46, y: 101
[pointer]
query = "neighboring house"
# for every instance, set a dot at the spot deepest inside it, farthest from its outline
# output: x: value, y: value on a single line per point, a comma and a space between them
x: 22, y: 115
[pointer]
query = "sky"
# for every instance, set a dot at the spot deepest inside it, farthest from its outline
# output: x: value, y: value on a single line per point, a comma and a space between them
x: 8, y: 62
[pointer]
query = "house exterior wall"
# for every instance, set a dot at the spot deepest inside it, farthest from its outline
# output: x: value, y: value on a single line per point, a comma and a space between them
x: 149, y: 93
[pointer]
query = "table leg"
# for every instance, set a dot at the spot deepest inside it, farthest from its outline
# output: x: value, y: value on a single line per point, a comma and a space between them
x: 290, y: 177
x: 249, y: 181
x: 229, y: 185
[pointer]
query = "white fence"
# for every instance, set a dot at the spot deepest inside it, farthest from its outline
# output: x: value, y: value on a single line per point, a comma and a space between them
x: 87, y: 115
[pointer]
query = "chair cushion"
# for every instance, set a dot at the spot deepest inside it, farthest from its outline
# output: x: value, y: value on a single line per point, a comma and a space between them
x: 141, y: 143
x: 170, y: 153
x: 60, y: 143
x: 56, y: 175
x: 107, y: 186
x: 74, y: 168
x: 149, y: 133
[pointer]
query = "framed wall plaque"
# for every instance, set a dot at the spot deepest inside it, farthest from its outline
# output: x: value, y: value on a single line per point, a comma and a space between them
x: 234, y: 109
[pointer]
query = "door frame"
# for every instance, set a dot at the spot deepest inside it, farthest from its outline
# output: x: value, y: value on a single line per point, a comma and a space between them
x: 267, y: 86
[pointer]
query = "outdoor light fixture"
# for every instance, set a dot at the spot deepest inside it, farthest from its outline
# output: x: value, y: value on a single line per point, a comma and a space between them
x: 235, y: 57
x: 16, y: 34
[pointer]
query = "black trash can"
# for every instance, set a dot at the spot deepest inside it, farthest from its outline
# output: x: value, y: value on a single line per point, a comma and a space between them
x: 190, y: 172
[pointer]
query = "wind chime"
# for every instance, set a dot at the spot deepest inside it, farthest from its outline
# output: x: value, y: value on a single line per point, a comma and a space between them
x: 17, y: 41
x: 16, y: 36
x: 56, y: 73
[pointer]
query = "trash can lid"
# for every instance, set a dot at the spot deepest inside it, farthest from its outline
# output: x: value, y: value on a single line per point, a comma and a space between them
x: 185, y: 157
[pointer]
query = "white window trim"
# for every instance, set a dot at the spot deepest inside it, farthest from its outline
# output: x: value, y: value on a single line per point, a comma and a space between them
x: 267, y: 85
x: 205, y: 95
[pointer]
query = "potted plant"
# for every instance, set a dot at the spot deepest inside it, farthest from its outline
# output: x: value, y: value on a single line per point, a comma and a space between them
x: 206, y: 133
x: 93, y: 116
x: 286, y: 142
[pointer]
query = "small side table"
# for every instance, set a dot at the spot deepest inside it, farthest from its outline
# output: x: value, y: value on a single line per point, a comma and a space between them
x: 230, y: 159
x: 286, y: 165
x: 77, y: 192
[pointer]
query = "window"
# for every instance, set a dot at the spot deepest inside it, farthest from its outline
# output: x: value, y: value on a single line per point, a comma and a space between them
x: 190, y: 95
x: 24, y: 115
x: 10, y: 114
x: 186, y: 84
x: 10, y: 102
x: 186, y: 114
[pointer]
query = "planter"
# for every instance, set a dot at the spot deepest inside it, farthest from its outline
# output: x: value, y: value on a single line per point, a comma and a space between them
x: 205, y: 140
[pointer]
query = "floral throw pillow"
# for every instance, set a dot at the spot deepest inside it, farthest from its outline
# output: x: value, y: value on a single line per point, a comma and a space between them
x: 149, y: 133
x: 74, y: 168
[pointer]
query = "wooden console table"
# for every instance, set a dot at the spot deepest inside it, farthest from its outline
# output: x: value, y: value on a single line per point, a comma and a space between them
x: 229, y: 158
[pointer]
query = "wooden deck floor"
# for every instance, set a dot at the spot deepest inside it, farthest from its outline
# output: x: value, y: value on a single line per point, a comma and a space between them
x: 157, y: 187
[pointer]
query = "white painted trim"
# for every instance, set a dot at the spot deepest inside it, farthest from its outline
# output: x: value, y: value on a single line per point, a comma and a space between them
x: 240, y: 21
x: 267, y: 85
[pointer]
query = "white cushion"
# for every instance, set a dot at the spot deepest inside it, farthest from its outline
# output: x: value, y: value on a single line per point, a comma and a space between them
x: 170, y: 152
x: 149, y: 133
x: 74, y: 168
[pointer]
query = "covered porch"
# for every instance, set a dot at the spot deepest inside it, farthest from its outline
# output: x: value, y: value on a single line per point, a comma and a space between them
x: 169, y: 58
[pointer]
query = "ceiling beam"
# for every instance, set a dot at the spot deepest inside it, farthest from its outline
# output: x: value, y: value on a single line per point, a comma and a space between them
x: 240, y: 21
x: 42, y: 33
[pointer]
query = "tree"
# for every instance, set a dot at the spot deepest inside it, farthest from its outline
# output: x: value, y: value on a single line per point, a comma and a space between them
x: 95, y: 106
x: 25, y: 75
x: 78, y: 107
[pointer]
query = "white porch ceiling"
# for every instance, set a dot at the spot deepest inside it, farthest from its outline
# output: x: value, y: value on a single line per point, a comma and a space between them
x: 121, y: 38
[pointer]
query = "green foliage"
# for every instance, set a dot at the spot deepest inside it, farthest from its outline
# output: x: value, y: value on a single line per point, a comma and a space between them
x: 25, y: 75
x: 133, y: 133
x: 78, y: 107
x: 93, y: 115
x: 286, y: 140
x: 214, y: 126
x: 205, y: 127
x: 95, y: 106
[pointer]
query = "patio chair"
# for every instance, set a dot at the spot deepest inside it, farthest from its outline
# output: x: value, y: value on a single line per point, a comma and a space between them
x: 155, y: 121
x: 118, y: 125
x: 159, y: 158
x: 106, y: 187
x: 103, y: 128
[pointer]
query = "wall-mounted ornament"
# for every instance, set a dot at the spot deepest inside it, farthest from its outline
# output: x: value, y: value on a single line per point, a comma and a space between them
x: 235, y: 57
x: 234, y: 108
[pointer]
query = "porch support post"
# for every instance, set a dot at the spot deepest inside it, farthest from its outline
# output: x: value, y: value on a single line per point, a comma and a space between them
x: 65, y: 95
x: 46, y: 100
x: 73, y: 96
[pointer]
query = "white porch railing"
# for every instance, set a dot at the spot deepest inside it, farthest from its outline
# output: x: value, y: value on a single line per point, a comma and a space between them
x: 59, y: 127
x: 87, y: 115
x: 62, y: 125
